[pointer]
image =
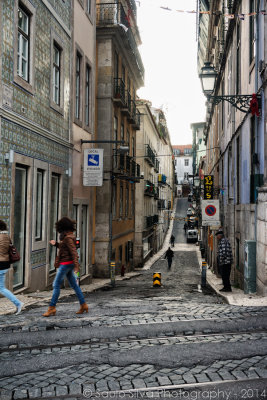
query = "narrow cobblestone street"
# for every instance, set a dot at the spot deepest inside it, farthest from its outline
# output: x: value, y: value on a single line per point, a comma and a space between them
x: 137, y: 338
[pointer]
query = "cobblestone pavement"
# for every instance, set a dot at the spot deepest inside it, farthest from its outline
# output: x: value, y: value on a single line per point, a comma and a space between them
x: 135, y: 337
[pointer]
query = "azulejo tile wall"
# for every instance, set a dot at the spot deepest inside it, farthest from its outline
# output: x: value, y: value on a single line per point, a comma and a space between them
x: 35, y: 107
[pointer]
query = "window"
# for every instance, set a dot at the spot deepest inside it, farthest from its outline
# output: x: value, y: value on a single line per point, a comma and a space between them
x: 252, y: 21
x: 115, y: 137
x: 238, y: 149
x: 127, y: 201
x: 121, y: 200
x: 39, y: 205
x: 54, y: 214
x: 83, y: 238
x: 20, y: 215
x: 186, y: 162
x: 132, y: 201
x: 120, y: 254
x: 116, y: 65
x: 186, y: 176
x: 23, y: 44
x: 187, y: 151
x: 238, y: 59
x: 78, y: 86
x: 122, y: 131
x: 88, y: 6
x: 56, y: 73
x: 114, y: 205
x: 87, y: 95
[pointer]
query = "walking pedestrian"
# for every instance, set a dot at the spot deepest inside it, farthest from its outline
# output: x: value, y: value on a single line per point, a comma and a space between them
x: 185, y: 227
x: 67, y: 263
x: 225, y: 258
x: 5, y: 265
x: 172, y: 240
x: 169, y: 255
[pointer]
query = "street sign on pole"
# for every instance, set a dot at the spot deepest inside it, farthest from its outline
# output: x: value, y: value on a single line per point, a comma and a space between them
x: 210, y: 213
x: 93, y: 167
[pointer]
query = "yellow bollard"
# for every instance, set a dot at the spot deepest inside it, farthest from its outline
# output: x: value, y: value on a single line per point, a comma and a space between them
x: 156, y: 279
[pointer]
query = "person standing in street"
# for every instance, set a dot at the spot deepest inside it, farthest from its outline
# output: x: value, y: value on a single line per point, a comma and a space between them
x: 67, y: 263
x: 169, y: 255
x: 172, y: 240
x: 5, y: 265
x: 225, y: 259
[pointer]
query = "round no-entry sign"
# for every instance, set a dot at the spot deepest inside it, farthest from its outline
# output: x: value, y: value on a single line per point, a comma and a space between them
x: 210, y: 210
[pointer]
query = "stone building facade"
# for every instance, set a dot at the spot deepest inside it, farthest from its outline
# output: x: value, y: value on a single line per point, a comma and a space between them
x: 154, y: 194
x: 35, y: 148
x: 183, y: 160
x: 83, y: 126
x: 120, y: 73
x: 232, y: 36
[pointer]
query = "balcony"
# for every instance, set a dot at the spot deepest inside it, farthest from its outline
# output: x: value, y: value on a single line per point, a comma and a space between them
x: 113, y: 15
x: 151, y: 220
x: 126, y: 168
x: 162, y: 179
x: 119, y: 96
x: 149, y: 189
x: 156, y: 194
x: 127, y: 108
x: 135, y: 171
x: 150, y: 155
x: 161, y: 204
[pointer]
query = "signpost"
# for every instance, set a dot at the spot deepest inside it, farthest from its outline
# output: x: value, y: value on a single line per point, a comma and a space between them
x: 210, y: 213
x: 93, y: 167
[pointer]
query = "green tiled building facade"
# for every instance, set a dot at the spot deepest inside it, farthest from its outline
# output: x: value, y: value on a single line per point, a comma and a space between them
x: 35, y: 134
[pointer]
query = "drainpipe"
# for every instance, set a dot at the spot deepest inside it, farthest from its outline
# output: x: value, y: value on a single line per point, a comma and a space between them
x: 256, y: 120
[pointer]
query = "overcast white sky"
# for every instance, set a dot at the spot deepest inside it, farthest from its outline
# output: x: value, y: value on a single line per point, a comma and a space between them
x: 169, y: 53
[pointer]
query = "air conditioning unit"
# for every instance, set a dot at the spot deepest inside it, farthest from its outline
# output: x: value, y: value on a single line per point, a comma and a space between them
x: 250, y: 267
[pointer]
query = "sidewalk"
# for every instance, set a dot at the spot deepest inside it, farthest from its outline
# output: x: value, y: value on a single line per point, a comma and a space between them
x: 236, y: 297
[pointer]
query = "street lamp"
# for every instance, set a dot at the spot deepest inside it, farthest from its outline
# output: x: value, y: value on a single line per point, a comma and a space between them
x: 208, y: 78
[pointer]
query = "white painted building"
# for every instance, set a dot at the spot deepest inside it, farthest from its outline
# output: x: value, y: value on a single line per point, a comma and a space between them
x: 183, y: 160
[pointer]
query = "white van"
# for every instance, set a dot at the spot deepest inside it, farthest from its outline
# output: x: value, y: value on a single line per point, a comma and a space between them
x: 192, y: 235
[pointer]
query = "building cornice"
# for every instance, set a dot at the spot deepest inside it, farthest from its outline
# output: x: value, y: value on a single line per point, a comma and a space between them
x: 57, y: 17
x: 25, y: 123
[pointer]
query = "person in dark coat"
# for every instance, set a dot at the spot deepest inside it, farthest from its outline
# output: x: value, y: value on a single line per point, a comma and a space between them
x: 172, y: 240
x: 169, y: 255
x: 225, y: 259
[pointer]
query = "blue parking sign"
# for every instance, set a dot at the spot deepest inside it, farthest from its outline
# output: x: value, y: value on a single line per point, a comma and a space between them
x: 93, y: 160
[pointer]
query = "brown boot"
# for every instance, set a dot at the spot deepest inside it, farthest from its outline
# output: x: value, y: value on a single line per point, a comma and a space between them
x: 51, y: 311
x: 83, y: 308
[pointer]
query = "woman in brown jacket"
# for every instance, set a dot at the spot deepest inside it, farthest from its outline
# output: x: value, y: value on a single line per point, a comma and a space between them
x: 5, y: 264
x: 67, y: 263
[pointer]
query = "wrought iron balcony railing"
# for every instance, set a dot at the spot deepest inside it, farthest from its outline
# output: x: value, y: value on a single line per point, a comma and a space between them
x: 150, y: 155
x: 151, y: 220
x: 119, y: 91
x: 113, y: 14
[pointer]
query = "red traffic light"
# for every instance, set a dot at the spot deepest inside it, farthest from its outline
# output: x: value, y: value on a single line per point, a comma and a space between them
x: 78, y: 243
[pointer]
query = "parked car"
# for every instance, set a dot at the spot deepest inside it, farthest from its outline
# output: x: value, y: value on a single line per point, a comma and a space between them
x: 189, y: 212
x: 192, y: 235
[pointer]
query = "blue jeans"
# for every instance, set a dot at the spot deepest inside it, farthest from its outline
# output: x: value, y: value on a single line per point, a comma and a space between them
x: 4, y: 291
x: 65, y: 270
